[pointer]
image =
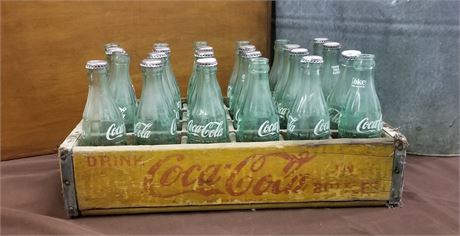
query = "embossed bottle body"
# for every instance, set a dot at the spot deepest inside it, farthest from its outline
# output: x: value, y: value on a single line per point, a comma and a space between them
x: 102, y: 121
x: 277, y: 62
x: 362, y: 115
x: 330, y: 72
x: 236, y: 67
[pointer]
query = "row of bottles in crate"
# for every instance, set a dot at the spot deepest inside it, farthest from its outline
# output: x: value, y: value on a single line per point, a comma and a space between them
x: 305, y: 94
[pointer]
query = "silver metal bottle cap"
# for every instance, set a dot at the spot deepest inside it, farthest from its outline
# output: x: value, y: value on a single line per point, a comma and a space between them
x: 166, y: 50
x: 96, y: 64
x: 151, y: 63
x: 320, y: 40
x: 204, y: 49
x: 200, y: 54
x: 111, y: 50
x: 111, y: 45
x: 332, y: 45
x: 160, y: 45
x: 199, y: 43
x: 247, y: 48
x: 206, y: 62
x: 252, y: 54
x: 312, y: 59
x: 290, y: 46
x: 351, y: 54
x: 281, y: 41
x: 157, y: 55
x: 299, y: 51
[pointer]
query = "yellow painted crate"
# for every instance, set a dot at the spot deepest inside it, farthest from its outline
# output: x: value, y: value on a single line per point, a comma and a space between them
x: 237, y: 175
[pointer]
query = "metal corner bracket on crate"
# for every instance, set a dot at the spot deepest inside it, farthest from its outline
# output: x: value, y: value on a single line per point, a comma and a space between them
x: 193, y: 177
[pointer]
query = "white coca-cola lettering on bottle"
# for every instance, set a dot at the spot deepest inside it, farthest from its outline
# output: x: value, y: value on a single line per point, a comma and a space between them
x: 123, y: 110
x: 335, y: 70
x: 365, y: 125
x: 335, y: 115
x: 321, y: 127
x: 114, y: 132
x: 142, y: 130
x: 358, y: 83
x: 291, y: 123
x: 283, y: 110
x: 268, y: 129
x: 212, y: 129
x: 173, y: 129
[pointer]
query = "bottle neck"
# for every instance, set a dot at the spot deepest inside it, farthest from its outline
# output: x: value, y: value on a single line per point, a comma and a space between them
x: 153, y: 79
x: 205, y: 91
x: 363, y: 79
x: 97, y: 82
x: 311, y: 73
x: 331, y: 56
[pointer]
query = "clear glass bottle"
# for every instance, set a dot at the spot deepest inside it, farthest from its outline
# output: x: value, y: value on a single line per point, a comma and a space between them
x: 331, y: 71
x: 290, y: 92
x: 155, y: 119
x: 336, y: 100
x: 108, y: 55
x: 231, y: 87
x: 283, y: 78
x: 362, y: 115
x: 110, y: 45
x: 241, y: 88
x: 171, y: 77
x: 277, y: 62
x: 102, y: 121
x: 207, y: 119
x: 318, y: 46
x: 236, y: 63
x: 122, y: 88
x: 257, y: 120
x: 191, y: 91
x: 308, y: 118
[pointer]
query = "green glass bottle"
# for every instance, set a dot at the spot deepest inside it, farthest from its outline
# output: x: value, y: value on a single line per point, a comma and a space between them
x: 257, y: 120
x: 102, y: 123
x: 336, y: 100
x: 236, y: 63
x: 241, y: 89
x: 277, y: 62
x: 318, y: 46
x: 191, y: 93
x: 290, y: 92
x: 362, y: 115
x: 108, y: 55
x: 308, y: 118
x: 231, y: 87
x: 122, y: 88
x: 331, y: 72
x: 207, y: 119
x: 171, y: 77
x: 155, y: 119
x: 282, y: 80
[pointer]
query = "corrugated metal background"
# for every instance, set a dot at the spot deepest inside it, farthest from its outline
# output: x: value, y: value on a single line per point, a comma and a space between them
x: 416, y: 44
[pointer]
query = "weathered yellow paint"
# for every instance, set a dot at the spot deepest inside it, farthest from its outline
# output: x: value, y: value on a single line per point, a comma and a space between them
x: 156, y: 178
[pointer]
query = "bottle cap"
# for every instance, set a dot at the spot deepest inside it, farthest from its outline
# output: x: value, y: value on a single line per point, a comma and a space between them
x: 241, y: 43
x: 206, y: 62
x: 351, y: 54
x: 332, y: 45
x: 299, y: 51
x: 166, y: 50
x: 312, y: 59
x: 259, y: 61
x: 364, y: 61
x: 252, y: 54
x: 201, y: 54
x: 111, y: 45
x: 247, y: 48
x: 96, y: 64
x: 200, y: 43
x: 320, y: 40
x: 204, y: 49
x: 160, y: 45
x: 111, y: 50
x: 157, y: 55
x: 290, y: 46
x: 151, y: 63
x: 281, y: 41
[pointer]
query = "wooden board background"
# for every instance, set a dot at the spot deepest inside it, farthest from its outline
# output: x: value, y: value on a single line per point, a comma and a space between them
x: 45, y: 44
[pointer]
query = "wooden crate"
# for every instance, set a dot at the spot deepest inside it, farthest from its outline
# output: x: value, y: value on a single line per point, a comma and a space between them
x: 194, y: 177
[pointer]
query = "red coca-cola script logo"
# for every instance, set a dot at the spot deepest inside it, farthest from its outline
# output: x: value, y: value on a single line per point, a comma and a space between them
x: 172, y: 176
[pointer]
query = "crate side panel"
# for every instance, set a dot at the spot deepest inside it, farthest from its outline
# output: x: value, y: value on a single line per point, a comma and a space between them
x: 262, y: 174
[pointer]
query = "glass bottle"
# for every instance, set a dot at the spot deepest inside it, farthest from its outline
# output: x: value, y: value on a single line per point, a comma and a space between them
x: 236, y: 63
x: 171, y: 77
x: 102, y: 121
x: 308, y: 118
x: 191, y: 91
x: 277, y: 62
x: 336, y: 100
x: 155, y: 118
x: 283, y: 78
x: 110, y: 45
x: 108, y: 55
x: 207, y: 119
x: 362, y: 115
x: 241, y: 88
x: 290, y: 92
x: 257, y: 120
x: 230, y: 89
x: 331, y: 72
x: 198, y: 44
x: 318, y: 46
